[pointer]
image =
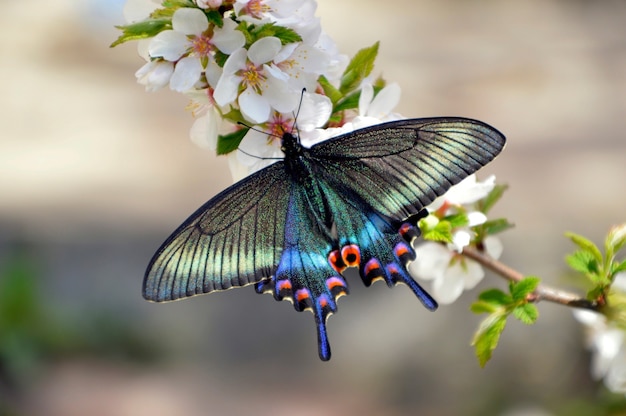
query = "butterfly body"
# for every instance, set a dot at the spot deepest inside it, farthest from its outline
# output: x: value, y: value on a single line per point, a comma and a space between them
x: 293, y: 227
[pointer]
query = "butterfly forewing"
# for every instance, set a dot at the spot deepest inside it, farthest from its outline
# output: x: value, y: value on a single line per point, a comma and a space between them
x: 400, y: 167
x: 233, y: 240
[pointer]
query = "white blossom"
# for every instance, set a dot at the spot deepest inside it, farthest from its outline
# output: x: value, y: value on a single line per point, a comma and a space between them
x: 607, y: 344
x: 187, y: 44
x: 450, y: 272
x: 263, y: 88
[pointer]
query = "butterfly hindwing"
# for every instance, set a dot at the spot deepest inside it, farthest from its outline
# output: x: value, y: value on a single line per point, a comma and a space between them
x: 235, y: 239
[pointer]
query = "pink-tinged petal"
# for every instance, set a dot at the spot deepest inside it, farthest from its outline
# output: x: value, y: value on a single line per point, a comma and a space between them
x: 204, y: 130
x: 384, y: 103
x: 190, y: 21
x: 227, y: 39
x: 169, y: 45
x: 449, y: 287
x: 264, y: 50
x: 254, y: 107
x: 186, y: 74
x: 431, y: 262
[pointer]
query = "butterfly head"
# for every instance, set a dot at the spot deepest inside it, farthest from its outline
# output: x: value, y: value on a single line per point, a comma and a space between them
x: 291, y: 146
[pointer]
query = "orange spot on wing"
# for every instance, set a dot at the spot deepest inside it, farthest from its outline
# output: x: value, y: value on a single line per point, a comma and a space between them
x: 302, y: 295
x: 371, y: 266
x: 351, y: 255
x: 401, y: 250
x: 284, y: 285
x: 334, y: 258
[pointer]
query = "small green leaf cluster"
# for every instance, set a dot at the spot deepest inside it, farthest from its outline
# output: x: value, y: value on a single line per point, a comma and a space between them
x: 440, y: 225
x: 600, y: 271
x: 500, y: 306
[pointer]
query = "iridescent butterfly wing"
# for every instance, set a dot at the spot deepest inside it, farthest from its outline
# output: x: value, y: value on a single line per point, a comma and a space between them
x: 295, y: 226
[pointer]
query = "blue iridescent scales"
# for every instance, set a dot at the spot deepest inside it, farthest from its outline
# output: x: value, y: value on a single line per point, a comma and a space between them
x: 293, y: 228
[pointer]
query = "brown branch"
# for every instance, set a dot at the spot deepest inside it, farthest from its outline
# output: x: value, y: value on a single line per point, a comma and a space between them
x: 542, y: 292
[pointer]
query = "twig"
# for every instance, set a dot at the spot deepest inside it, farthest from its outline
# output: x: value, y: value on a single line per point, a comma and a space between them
x: 542, y: 292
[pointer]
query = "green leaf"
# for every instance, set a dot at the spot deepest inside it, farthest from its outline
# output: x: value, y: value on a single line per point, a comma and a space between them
x: 441, y: 232
x: 285, y: 34
x: 457, y: 220
x: 480, y: 306
x: 486, y: 338
x: 496, y: 226
x: 359, y: 67
x: 329, y: 90
x: 349, y: 102
x: 142, y: 30
x: 495, y: 297
x: 230, y: 142
x: 214, y: 17
x: 616, y: 239
x: 527, y: 313
x: 583, y: 261
x: 520, y: 290
x: 586, y: 245
x: 485, y: 204
x: 618, y: 268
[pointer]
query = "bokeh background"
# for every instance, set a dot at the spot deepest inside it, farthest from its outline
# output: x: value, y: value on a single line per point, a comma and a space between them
x: 95, y: 173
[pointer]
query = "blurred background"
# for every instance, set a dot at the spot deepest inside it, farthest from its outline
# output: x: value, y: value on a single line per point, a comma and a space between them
x: 95, y: 173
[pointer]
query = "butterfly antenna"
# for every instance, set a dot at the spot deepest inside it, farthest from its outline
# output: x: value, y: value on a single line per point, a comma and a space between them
x: 295, y: 117
x: 258, y: 131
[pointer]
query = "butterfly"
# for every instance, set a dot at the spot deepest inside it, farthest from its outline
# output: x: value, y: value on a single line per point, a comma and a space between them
x: 293, y: 228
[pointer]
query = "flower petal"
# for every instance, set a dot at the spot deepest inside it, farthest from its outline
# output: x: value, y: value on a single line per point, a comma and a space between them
x: 204, y: 130
x: 186, y: 73
x: 264, y: 50
x: 473, y: 273
x: 431, y: 261
x: 228, y: 39
x: 314, y: 112
x: 493, y: 246
x: 367, y: 95
x: 189, y: 21
x: 169, y: 44
x: 385, y: 101
x: 253, y: 106
x: 448, y: 287
x: 155, y: 74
